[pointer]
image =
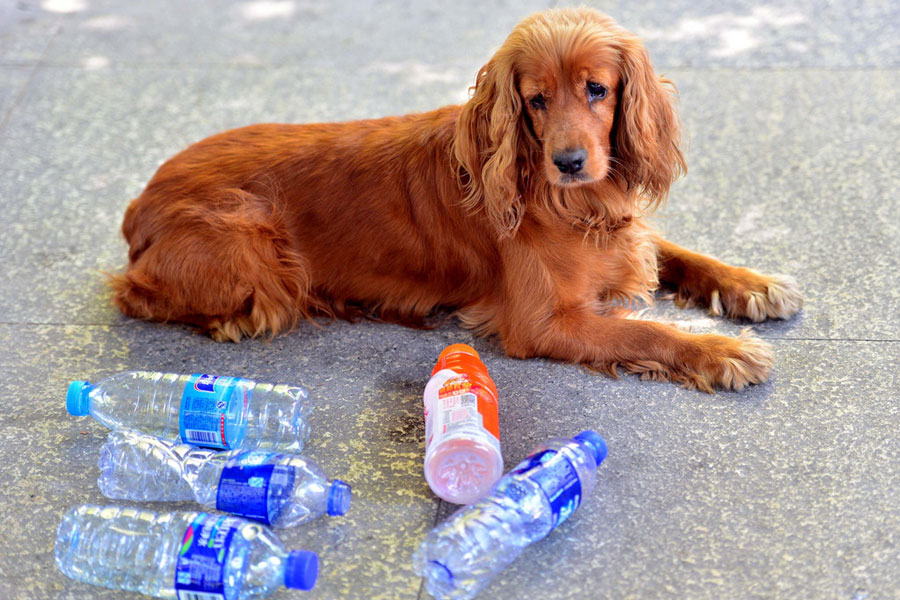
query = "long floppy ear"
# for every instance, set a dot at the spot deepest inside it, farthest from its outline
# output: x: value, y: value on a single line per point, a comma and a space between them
x: 647, y: 128
x: 488, y: 135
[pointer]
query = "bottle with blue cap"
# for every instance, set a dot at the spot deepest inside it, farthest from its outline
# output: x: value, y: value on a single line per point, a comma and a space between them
x: 227, y: 413
x: 280, y: 490
x: 184, y: 555
x: 460, y: 556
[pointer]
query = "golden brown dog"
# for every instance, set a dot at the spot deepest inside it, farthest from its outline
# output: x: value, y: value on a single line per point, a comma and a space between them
x: 522, y: 209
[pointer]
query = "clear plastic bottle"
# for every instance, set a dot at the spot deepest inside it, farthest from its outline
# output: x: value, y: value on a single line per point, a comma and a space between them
x: 281, y: 490
x: 204, y: 410
x: 462, y: 434
x: 180, y: 555
x: 460, y: 556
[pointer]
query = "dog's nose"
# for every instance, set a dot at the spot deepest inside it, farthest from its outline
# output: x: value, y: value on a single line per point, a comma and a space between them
x: 570, y: 161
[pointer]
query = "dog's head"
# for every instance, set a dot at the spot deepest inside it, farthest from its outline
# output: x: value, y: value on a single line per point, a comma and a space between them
x: 570, y: 99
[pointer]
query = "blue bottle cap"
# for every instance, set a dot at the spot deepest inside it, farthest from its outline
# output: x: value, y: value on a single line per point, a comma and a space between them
x: 301, y: 570
x: 77, y: 401
x: 338, y: 498
x: 595, y: 442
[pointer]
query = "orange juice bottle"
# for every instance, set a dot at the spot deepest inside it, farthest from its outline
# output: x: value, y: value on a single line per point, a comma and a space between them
x: 462, y: 434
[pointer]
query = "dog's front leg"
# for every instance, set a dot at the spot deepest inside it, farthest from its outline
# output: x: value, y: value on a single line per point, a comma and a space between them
x: 654, y: 350
x: 553, y: 312
x: 736, y: 292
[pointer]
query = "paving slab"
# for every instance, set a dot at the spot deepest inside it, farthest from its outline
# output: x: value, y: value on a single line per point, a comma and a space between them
x: 71, y: 157
x: 12, y: 85
x: 25, y: 32
x: 763, y: 35
x: 739, y: 34
x: 276, y: 33
x: 765, y: 493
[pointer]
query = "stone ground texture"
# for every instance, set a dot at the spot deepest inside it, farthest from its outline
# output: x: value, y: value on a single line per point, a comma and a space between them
x: 786, y: 490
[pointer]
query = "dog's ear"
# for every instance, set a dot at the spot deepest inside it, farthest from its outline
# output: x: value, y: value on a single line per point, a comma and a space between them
x: 488, y: 135
x: 647, y: 133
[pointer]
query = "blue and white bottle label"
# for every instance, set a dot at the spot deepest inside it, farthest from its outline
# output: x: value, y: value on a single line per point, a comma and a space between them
x: 252, y: 489
x: 205, y: 405
x: 200, y: 567
x: 558, y: 479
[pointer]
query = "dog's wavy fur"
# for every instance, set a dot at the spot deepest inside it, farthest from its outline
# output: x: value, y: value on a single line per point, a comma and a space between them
x: 465, y: 207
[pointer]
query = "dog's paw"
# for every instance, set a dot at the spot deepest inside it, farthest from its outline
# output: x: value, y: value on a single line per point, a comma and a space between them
x: 713, y: 361
x: 755, y: 296
x: 746, y: 361
x: 225, y: 330
x: 731, y: 363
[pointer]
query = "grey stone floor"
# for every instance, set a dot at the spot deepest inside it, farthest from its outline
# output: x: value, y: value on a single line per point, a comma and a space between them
x: 788, y: 490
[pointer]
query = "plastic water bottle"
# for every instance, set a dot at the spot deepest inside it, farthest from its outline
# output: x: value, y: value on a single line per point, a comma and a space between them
x: 460, y: 556
x: 281, y: 490
x: 204, y: 410
x: 462, y: 431
x: 185, y: 555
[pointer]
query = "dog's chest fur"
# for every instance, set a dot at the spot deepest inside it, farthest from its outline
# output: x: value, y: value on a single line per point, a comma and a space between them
x: 626, y: 269
x: 604, y: 261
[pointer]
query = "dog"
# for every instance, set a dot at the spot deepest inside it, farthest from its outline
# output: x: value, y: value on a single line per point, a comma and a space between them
x: 523, y: 210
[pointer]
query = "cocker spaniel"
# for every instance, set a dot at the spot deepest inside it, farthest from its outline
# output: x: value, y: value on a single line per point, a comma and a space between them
x: 523, y: 210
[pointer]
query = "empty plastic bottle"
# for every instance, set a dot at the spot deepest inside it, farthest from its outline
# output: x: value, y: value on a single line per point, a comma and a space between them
x: 281, y: 490
x: 462, y: 427
x: 185, y: 555
x: 460, y: 556
x: 203, y: 410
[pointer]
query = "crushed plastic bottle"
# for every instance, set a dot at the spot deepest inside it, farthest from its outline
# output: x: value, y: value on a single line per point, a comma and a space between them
x: 184, y: 555
x: 462, y: 433
x: 460, y: 556
x: 281, y: 490
x: 227, y: 413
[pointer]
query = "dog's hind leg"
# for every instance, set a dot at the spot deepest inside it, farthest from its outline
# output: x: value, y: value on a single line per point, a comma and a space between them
x: 232, y: 273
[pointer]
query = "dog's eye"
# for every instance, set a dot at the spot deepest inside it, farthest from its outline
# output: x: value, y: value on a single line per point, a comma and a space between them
x: 538, y: 102
x: 596, y: 91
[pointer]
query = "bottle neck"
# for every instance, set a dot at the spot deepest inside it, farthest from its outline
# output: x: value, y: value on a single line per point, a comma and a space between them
x: 200, y: 466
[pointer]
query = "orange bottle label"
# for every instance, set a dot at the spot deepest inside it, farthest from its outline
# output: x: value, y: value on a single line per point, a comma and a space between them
x: 468, y: 399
